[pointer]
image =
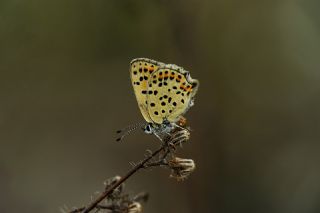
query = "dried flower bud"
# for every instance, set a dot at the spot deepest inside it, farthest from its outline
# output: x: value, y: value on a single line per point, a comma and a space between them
x: 182, y: 122
x: 180, y: 137
x: 115, y: 179
x: 110, y: 182
x: 134, y: 207
x: 181, y: 168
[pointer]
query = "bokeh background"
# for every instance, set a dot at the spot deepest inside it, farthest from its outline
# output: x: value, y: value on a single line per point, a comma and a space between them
x: 65, y: 89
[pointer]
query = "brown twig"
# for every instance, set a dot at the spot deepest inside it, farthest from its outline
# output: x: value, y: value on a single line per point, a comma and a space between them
x: 167, y: 145
x: 117, y: 184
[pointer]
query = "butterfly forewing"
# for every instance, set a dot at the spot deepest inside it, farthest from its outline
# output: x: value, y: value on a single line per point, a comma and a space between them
x: 170, y: 91
x: 140, y: 72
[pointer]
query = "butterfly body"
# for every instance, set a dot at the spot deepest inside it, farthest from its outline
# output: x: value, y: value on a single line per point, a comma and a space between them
x: 164, y: 92
x: 158, y: 129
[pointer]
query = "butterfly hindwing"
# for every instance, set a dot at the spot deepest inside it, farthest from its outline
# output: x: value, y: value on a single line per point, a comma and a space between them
x: 140, y: 72
x: 170, y: 93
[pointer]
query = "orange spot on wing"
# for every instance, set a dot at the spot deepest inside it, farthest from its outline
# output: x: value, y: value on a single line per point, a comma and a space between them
x: 188, y: 88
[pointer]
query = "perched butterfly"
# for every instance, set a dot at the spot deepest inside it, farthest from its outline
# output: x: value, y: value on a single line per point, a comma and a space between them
x: 164, y: 92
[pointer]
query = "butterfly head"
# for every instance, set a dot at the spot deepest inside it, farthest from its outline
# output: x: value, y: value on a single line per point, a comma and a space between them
x: 154, y: 128
x: 148, y: 129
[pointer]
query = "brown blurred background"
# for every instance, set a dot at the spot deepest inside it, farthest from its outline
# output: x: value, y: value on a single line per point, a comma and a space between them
x: 65, y: 89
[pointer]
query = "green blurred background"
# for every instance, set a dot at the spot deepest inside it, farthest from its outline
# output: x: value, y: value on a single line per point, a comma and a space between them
x: 65, y: 89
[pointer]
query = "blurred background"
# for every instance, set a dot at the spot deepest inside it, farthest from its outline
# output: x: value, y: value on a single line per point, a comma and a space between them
x: 65, y: 90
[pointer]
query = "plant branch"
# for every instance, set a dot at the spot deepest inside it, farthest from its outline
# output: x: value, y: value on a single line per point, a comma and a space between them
x: 117, y: 184
x: 177, y: 138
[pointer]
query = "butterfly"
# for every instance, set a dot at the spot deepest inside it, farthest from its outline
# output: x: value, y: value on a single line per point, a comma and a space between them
x: 164, y: 92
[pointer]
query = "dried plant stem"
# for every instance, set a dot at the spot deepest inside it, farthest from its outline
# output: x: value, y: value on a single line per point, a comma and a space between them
x: 168, y: 144
x: 110, y: 190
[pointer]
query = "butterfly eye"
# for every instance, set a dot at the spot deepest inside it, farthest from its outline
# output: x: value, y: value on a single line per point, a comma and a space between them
x: 148, y: 129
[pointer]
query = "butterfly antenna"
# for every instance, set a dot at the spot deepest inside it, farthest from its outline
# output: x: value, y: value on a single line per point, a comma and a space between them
x: 128, y: 130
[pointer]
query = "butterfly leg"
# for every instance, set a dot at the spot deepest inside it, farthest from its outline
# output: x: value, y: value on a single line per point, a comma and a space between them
x: 165, y: 139
x: 178, y: 126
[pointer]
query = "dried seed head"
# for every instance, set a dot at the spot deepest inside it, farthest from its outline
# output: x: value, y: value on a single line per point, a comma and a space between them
x: 110, y: 182
x: 134, y: 207
x: 180, y: 137
x: 181, y: 168
x: 115, y: 179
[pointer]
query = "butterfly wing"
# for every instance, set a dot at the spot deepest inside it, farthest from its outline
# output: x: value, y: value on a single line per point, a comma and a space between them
x: 140, y: 72
x: 170, y: 93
